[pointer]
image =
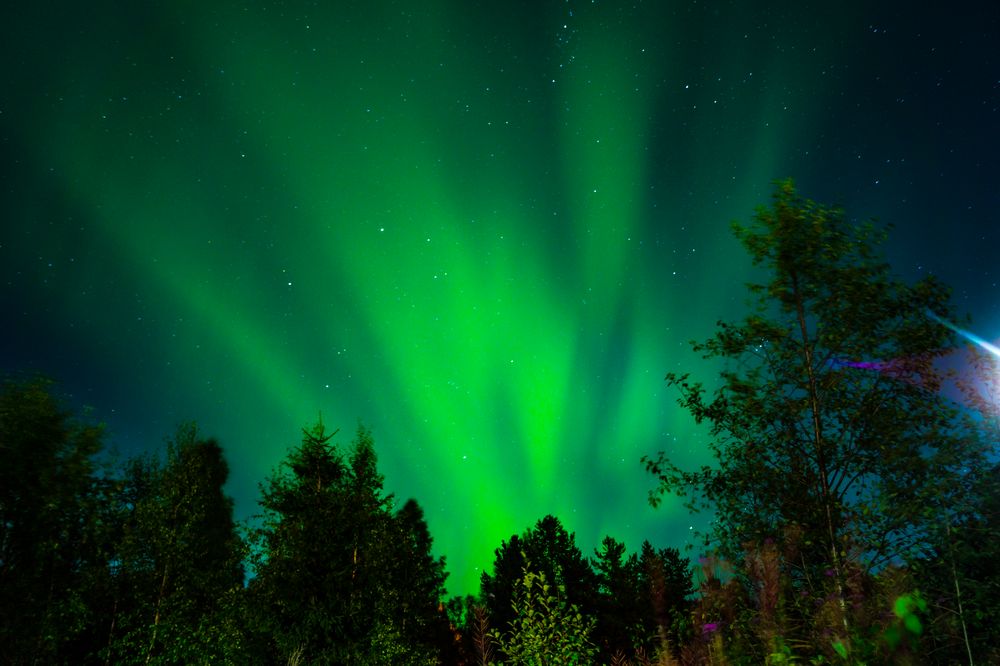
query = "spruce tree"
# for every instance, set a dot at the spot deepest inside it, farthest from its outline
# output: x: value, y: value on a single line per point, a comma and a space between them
x: 621, y: 625
x: 339, y: 578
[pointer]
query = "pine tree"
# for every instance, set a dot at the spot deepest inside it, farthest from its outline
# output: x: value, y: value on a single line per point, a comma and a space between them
x: 621, y: 623
x: 419, y: 578
x: 304, y: 557
x: 339, y: 578
x: 666, y: 586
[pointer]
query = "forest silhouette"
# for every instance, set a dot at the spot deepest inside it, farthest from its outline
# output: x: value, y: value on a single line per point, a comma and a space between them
x: 854, y: 513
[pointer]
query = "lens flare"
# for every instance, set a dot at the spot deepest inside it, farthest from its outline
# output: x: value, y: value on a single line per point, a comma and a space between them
x: 881, y: 366
x: 971, y: 337
x: 909, y: 370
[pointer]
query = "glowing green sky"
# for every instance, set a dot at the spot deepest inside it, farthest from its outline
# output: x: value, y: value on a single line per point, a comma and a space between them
x: 485, y: 230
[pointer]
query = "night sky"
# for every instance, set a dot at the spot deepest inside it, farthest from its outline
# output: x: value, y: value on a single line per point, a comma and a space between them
x: 486, y: 230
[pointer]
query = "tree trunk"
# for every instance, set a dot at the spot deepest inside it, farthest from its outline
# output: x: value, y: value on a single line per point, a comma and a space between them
x: 814, y: 408
x: 111, y: 630
x: 958, y: 595
x: 156, y: 615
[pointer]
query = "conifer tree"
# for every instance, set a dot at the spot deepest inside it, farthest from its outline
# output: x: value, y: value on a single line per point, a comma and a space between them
x: 419, y: 578
x: 339, y: 578
x: 666, y: 586
x: 622, y: 625
x: 304, y: 557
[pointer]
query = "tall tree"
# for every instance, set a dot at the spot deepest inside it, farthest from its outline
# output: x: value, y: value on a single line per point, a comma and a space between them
x: 305, y: 558
x: 666, y: 586
x: 547, y: 549
x: 47, y: 522
x: 180, y: 557
x: 960, y: 572
x: 419, y: 579
x: 826, y: 414
x: 338, y: 577
x: 621, y: 621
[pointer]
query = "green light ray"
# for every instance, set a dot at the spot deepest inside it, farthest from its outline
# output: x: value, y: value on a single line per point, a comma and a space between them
x: 202, y: 295
x: 512, y: 361
x: 479, y: 329
x: 606, y: 110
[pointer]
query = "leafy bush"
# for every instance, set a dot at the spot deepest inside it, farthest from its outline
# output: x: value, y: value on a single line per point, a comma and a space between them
x: 546, y: 629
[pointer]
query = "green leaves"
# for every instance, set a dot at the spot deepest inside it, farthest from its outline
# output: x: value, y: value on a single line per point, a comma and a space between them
x: 50, y: 534
x: 907, y: 608
x: 826, y: 414
x: 179, y: 557
x: 546, y: 629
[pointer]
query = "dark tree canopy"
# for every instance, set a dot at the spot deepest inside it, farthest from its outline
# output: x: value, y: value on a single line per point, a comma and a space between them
x: 546, y: 548
x: 48, y: 533
x: 340, y: 578
x: 178, y: 560
x: 826, y: 419
x: 642, y: 600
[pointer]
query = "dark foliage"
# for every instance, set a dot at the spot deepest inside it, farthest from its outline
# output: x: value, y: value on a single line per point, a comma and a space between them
x: 339, y: 578
x: 546, y: 548
x: 178, y: 561
x: 827, y: 423
x: 49, y: 530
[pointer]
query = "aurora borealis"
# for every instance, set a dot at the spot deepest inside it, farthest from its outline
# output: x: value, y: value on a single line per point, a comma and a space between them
x: 486, y: 230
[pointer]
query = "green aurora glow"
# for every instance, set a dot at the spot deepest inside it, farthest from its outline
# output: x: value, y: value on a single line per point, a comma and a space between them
x: 485, y: 231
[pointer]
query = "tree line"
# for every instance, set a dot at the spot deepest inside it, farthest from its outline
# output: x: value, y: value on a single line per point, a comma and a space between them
x: 143, y: 563
x: 854, y: 513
